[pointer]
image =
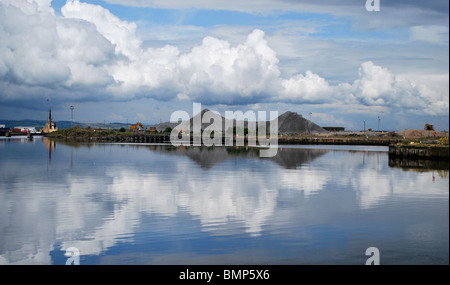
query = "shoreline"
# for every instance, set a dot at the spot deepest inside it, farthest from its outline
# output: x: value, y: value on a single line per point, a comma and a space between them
x: 331, y: 140
x: 398, y: 148
x: 282, y: 139
x: 427, y: 148
x: 419, y: 151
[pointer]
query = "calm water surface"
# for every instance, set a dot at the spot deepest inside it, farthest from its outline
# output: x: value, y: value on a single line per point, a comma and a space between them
x: 156, y: 204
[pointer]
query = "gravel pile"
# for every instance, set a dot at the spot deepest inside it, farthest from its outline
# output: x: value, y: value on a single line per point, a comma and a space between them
x: 293, y: 123
x: 288, y: 123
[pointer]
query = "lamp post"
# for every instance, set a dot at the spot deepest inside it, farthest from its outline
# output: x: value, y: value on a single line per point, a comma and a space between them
x: 310, y: 122
x: 379, y: 123
x: 71, y: 109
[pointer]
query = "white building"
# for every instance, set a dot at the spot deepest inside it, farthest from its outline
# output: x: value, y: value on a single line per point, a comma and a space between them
x: 27, y: 129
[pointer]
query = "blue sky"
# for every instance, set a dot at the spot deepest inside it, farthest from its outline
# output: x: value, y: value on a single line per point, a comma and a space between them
x: 141, y: 60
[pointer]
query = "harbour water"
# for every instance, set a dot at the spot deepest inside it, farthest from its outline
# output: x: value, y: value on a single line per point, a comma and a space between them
x: 157, y: 204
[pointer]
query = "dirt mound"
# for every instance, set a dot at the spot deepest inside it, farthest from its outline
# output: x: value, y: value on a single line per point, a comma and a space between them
x: 162, y: 126
x: 293, y: 123
x: 288, y: 123
x: 185, y: 125
x: 414, y: 133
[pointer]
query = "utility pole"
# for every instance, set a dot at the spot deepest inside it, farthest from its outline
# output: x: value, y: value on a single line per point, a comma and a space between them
x: 46, y: 111
x: 364, y: 126
x: 310, y: 122
x: 71, y: 109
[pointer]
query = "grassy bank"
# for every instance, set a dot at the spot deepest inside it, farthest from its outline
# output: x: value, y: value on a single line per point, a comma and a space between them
x: 78, y: 133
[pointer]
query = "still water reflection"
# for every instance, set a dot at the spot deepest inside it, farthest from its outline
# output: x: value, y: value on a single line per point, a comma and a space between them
x: 156, y: 204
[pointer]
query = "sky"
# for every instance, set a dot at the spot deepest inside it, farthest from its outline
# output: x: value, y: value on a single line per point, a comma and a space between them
x: 132, y: 61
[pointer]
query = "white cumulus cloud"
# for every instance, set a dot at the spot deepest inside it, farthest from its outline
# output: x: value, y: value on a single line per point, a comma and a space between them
x: 306, y: 88
x: 234, y: 73
x: 88, y: 53
x: 120, y: 33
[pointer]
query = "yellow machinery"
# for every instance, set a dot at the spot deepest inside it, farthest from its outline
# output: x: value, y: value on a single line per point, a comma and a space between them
x: 137, y: 127
x: 443, y: 140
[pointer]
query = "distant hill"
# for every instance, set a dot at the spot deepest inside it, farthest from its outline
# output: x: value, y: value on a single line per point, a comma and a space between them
x: 39, y: 124
x: 288, y: 123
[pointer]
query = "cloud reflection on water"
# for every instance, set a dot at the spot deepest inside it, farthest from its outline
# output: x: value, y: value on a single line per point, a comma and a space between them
x: 102, y: 197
